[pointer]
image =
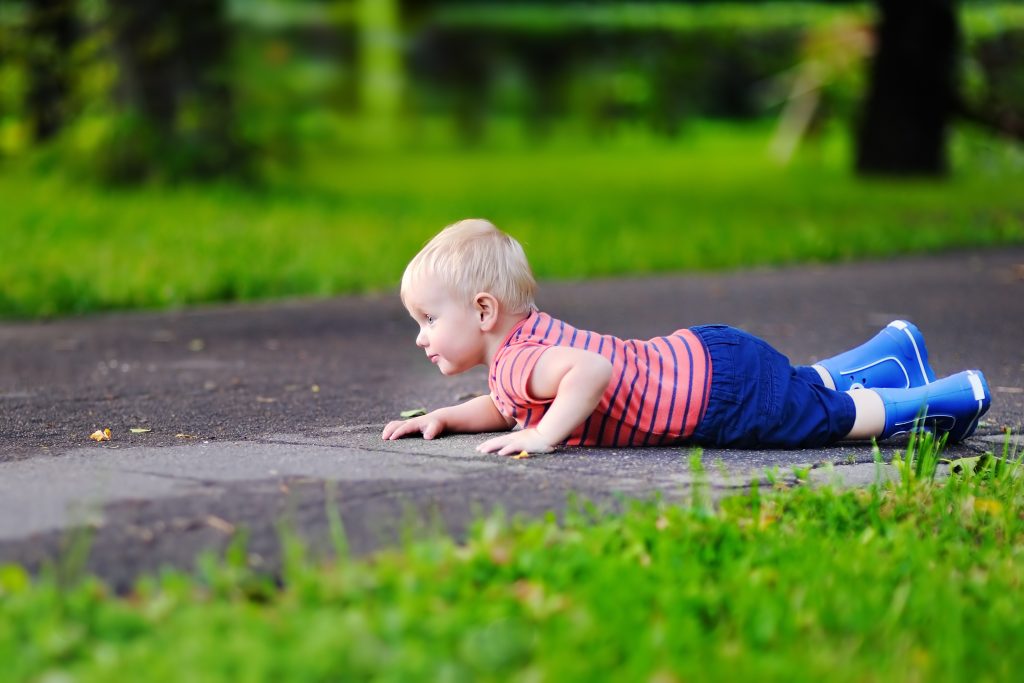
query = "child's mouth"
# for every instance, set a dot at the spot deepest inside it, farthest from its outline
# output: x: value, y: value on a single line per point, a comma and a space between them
x: 434, y: 358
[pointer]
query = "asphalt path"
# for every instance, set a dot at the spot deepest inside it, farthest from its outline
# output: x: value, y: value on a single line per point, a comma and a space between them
x: 263, y: 416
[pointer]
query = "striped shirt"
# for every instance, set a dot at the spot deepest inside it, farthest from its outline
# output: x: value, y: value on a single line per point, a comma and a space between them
x: 657, y: 394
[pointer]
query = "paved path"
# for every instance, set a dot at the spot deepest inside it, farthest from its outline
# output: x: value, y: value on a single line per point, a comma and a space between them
x: 268, y: 412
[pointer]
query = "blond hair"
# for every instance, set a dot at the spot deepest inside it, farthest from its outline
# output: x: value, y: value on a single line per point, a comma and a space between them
x: 473, y: 256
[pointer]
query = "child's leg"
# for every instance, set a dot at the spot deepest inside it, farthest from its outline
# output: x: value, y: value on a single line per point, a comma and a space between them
x: 758, y: 400
x: 869, y: 422
x: 815, y: 374
x: 895, y: 357
x: 952, y: 405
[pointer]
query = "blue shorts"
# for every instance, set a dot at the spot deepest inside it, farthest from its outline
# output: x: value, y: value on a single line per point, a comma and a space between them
x: 759, y: 400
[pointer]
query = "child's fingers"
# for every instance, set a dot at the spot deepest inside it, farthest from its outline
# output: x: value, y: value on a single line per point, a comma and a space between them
x: 486, y: 446
x: 492, y: 445
x: 516, y: 449
x: 389, y: 429
x: 432, y: 429
x: 397, y: 429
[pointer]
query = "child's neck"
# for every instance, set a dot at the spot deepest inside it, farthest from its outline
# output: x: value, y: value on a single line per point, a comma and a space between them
x: 494, y: 338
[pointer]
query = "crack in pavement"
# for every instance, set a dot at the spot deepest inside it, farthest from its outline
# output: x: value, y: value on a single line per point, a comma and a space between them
x: 164, y: 475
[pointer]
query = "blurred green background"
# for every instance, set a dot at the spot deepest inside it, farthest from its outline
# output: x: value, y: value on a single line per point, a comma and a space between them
x: 159, y: 154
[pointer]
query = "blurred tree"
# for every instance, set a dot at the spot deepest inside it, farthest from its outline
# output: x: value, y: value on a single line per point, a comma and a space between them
x: 832, y: 58
x: 380, y: 62
x: 173, y: 91
x: 51, y: 34
x: 997, y: 101
x: 913, y: 89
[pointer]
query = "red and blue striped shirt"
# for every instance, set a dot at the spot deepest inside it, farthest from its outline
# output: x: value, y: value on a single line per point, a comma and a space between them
x: 657, y: 394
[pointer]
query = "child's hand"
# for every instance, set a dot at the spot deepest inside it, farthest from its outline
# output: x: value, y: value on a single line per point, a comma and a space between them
x: 529, y: 440
x: 430, y: 425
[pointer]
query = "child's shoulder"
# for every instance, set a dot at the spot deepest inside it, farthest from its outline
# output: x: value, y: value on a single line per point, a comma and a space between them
x: 542, y: 328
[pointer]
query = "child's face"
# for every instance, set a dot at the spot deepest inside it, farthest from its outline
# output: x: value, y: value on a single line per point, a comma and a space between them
x: 449, y: 330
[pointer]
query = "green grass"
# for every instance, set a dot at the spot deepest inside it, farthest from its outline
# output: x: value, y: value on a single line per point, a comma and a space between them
x: 348, y: 222
x: 912, y: 580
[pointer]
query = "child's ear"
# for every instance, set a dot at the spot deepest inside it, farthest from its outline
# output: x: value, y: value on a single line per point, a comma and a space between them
x: 486, y: 308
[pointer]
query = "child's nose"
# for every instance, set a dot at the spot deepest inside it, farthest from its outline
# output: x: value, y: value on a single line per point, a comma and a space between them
x: 421, y: 339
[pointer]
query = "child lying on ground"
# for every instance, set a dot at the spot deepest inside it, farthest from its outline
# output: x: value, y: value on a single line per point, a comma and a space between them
x: 471, y: 291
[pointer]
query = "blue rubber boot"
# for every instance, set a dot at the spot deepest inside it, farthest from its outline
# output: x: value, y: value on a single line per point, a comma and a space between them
x: 952, y: 405
x: 896, y: 357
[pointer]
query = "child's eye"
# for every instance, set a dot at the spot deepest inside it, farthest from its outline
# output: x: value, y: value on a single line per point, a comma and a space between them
x: 429, y: 319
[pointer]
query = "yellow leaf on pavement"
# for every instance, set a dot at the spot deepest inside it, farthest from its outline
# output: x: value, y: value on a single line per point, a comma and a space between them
x: 99, y: 435
x: 521, y: 455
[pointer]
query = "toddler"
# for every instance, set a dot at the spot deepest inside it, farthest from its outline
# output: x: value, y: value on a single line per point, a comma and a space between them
x: 471, y: 291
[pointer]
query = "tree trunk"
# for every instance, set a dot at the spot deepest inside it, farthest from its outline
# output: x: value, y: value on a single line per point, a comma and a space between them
x: 174, y: 88
x: 51, y: 35
x: 912, y: 92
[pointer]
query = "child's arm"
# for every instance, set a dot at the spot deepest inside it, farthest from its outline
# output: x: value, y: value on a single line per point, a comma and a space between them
x: 476, y: 415
x: 576, y: 379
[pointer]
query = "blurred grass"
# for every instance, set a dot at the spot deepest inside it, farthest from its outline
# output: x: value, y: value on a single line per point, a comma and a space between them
x: 348, y: 222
